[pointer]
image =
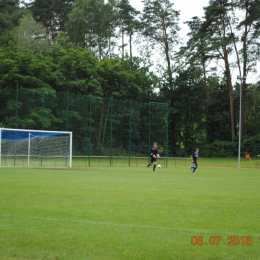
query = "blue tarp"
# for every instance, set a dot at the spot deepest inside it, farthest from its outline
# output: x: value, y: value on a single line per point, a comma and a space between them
x: 9, y: 135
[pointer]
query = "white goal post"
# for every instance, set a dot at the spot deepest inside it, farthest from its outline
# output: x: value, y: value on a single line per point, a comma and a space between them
x: 35, y: 148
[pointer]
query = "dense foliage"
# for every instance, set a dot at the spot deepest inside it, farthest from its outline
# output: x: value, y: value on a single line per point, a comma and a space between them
x: 107, y: 49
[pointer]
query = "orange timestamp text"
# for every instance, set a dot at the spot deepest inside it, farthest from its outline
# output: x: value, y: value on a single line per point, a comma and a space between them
x: 219, y: 240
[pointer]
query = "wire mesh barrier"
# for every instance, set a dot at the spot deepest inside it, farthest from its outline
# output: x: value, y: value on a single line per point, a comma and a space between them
x: 169, y: 162
x: 100, y: 126
x: 121, y: 161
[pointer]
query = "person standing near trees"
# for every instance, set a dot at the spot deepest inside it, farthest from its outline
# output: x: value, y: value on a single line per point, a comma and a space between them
x: 153, y: 155
x: 194, y: 158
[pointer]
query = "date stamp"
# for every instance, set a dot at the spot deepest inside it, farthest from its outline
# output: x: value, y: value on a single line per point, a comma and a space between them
x: 219, y: 240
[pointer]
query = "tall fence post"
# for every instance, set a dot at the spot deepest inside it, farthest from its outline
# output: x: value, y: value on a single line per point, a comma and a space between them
x: 167, y: 132
x: 89, y: 139
x: 111, y: 130
x: 130, y: 133
x: 67, y: 110
x: 16, y: 106
x: 149, y: 127
x: 43, y: 104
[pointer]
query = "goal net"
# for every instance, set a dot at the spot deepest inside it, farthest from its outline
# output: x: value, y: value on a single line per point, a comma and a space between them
x: 34, y: 148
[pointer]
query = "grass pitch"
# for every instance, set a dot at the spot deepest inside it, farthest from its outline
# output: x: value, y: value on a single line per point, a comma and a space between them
x: 129, y: 213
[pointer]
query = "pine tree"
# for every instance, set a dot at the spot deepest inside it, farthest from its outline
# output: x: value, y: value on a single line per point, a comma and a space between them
x: 53, y: 14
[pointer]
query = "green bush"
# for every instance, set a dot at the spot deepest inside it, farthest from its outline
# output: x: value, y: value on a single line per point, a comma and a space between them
x: 251, y: 145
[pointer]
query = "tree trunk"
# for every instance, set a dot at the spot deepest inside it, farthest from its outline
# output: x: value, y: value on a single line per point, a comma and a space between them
x: 230, y: 88
x: 167, y: 57
x: 101, y: 122
x: 243, y: 99
x: 130, y: 42
x: 123, y: 47
x: 205, y: 85
x: 105, y: 123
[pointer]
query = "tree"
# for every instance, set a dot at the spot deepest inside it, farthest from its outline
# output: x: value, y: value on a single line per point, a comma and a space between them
x: 216, y: 30
x: 195, y: 53
x: 252, y: 108
x: 160, y: 27
x: 187, y: 114
x: 218, y: 118
x: 127, y: 22
x: 30, y: 70
x: 7, y: 9
x: 53, y: 14
x: 10, y: 13
x: 126, y: 79
x: 77, y: 68
x: 248, y: 32
x: 89, y: 25
x: 24, y: 79
x: 30, y: 36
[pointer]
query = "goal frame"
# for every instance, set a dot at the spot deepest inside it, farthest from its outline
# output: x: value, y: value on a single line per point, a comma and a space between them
x: 30, y: 131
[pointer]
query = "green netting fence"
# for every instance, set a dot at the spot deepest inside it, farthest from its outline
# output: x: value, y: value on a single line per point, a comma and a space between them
x: 102, y: 127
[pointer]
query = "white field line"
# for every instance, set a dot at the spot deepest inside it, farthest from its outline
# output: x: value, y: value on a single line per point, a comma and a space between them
x: 195, y: 177
x: 109, y: 224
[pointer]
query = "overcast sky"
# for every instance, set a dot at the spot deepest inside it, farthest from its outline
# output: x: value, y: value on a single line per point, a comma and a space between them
x: 187, y: 8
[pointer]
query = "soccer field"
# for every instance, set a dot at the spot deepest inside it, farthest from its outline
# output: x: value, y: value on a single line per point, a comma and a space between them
x: 129, y: 213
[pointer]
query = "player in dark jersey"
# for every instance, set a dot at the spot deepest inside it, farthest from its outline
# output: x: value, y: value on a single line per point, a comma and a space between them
x: 194, y: 158
x: 153, y: 155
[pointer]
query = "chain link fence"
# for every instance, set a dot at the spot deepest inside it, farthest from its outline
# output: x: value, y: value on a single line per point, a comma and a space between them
x: 101, y: 126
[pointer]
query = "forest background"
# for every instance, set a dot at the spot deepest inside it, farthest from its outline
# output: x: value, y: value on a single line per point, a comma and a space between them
x: 86, y: 48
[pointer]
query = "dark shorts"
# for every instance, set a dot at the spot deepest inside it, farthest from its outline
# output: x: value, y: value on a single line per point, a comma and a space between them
x: 152, y: 159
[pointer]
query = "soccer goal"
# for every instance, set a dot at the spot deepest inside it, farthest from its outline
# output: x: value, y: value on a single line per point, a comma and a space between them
x: 35, y: 148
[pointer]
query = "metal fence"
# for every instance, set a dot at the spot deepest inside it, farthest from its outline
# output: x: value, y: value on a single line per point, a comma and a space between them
x: 100, y: 126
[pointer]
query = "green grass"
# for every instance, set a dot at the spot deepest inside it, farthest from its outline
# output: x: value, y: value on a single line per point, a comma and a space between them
x: 104, y: 161
x: 128, y: 213
x: 171, y: 162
